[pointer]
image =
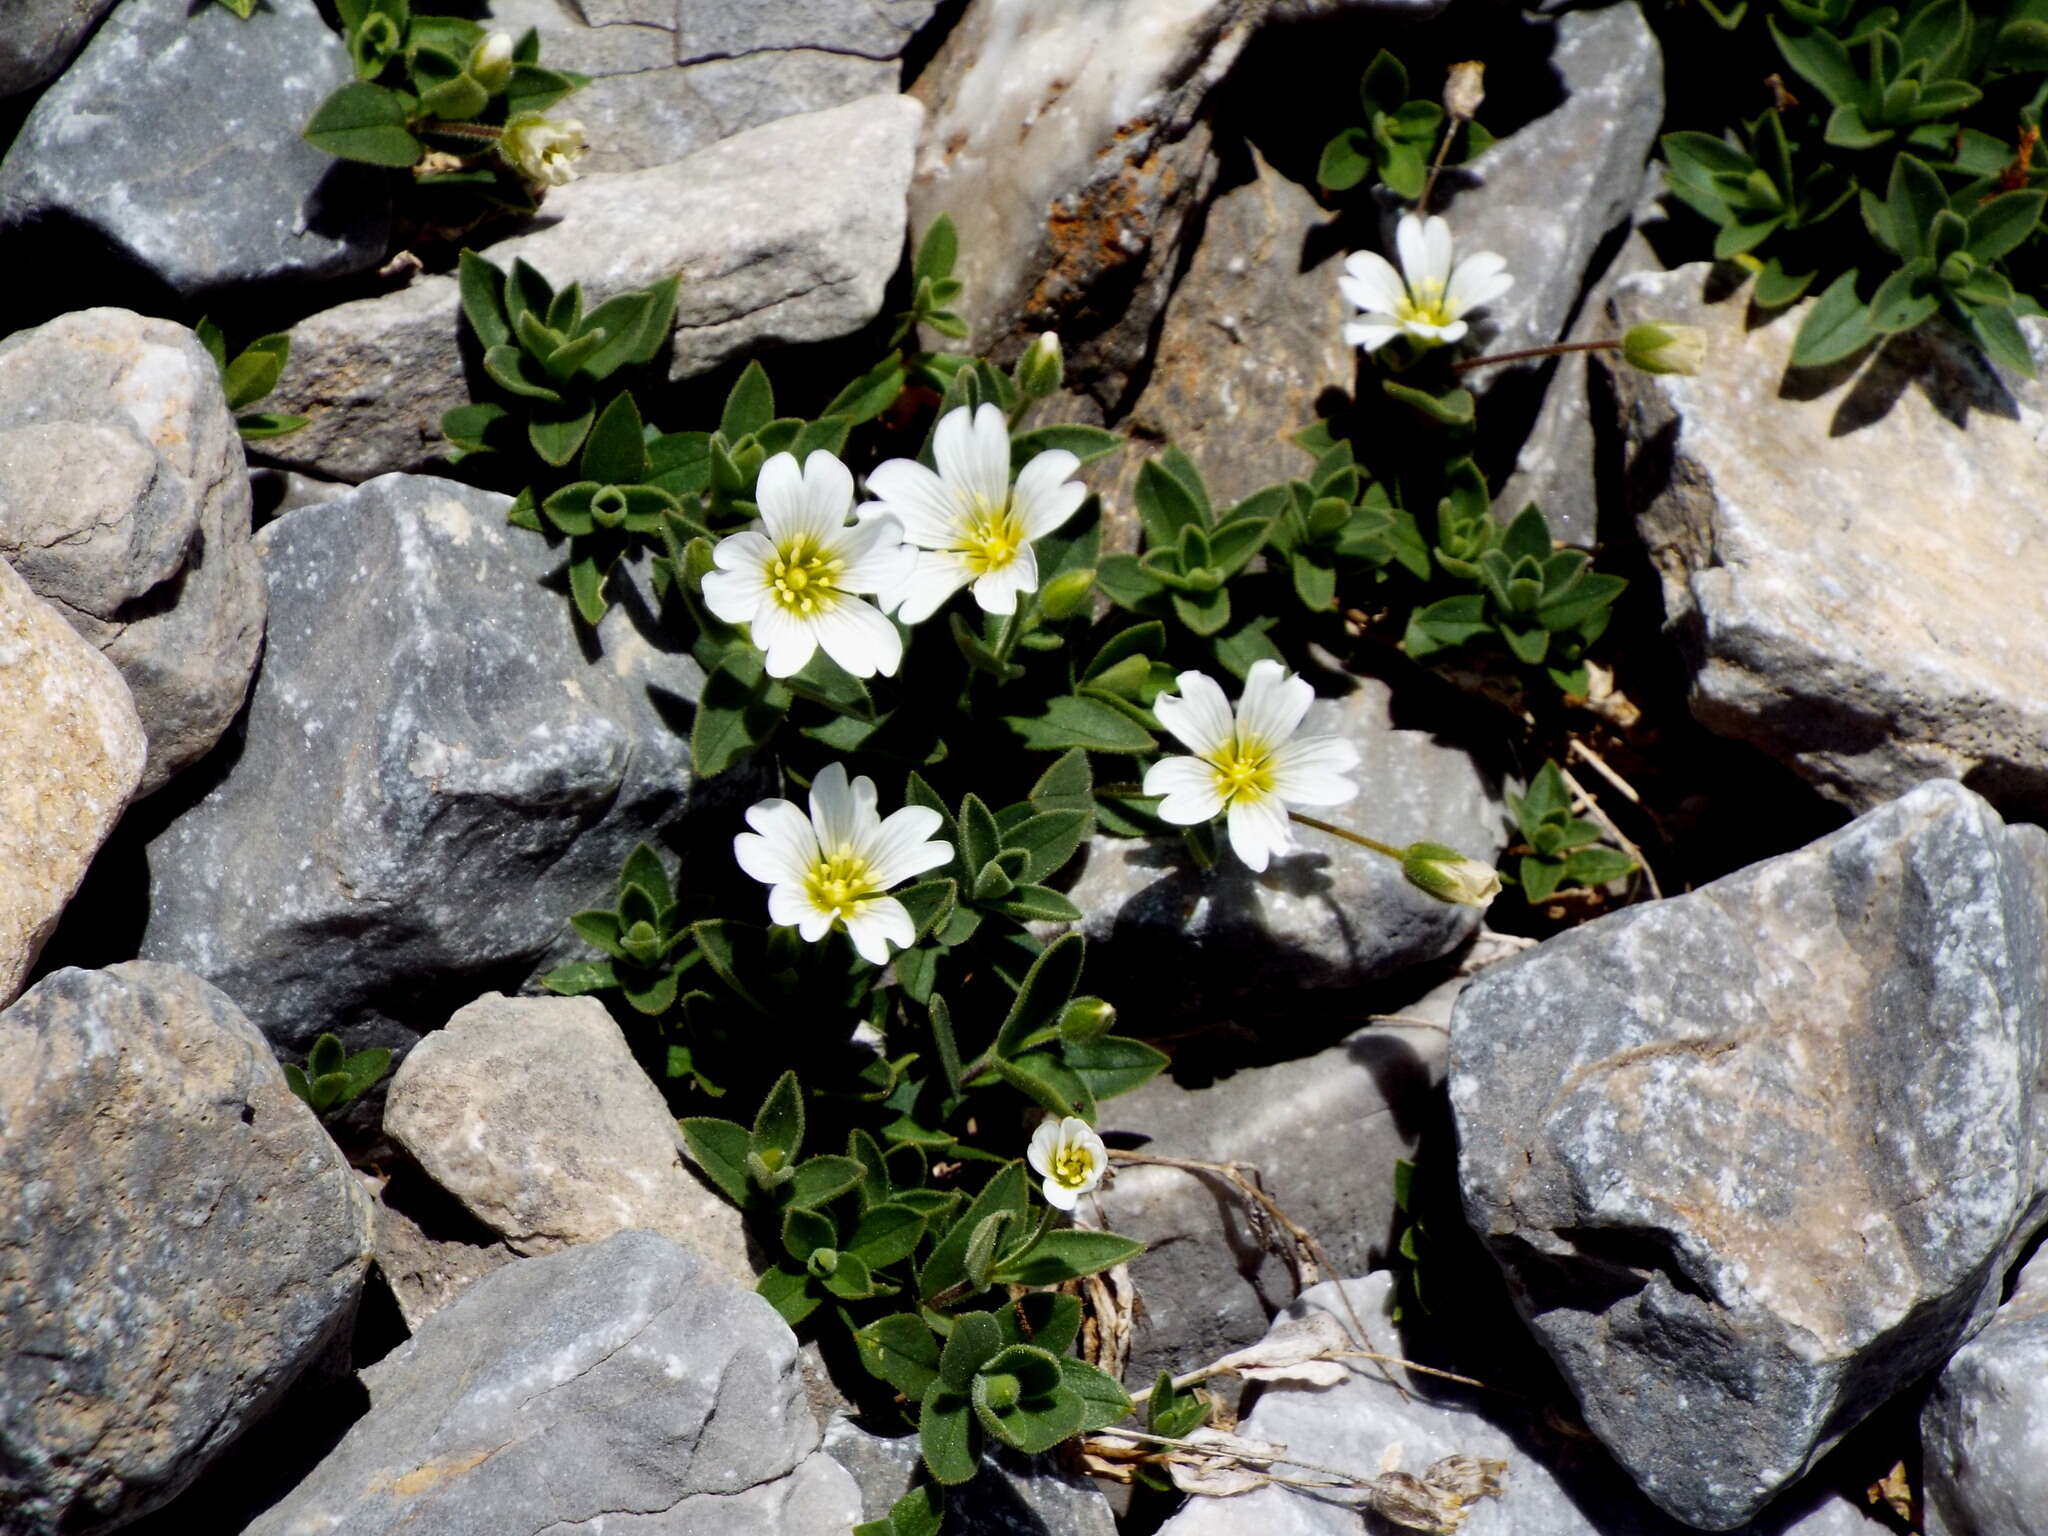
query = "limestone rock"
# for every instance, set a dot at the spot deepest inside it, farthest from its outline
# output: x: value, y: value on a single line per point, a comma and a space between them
x: 1847, y: 563
x: 140, y: 147
x: 38, y: 37
x: 875, y: 29
x: 533, y: 1113
x: 760, y: 267
x: 431, y: 774
x: 1984, y: 1432
x: 1011, y: 1494
x: 1758, y: 1156
x: 71, y: 753
x: 423, y: 1270
x: 1329, y: 915
x: 124, y: 501
x: 181, y: 1241
x: 623, y: 1384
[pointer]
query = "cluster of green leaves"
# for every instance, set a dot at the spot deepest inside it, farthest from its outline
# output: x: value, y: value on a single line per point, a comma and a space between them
x: 421, y: 90
x: 1901, y: 184
x: 1559, y: 848
x: 248, y: 377
x: 330, y: 1080
x: 1398, y: 138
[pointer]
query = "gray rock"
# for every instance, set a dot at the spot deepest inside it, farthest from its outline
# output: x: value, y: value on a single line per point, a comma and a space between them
x: 1329, y: 915
x: 1323, y: 1134
x: 124, y: 501
x: 624, y: 1385
x: 1065, y: 143
x: 533, y: 1113
x: 1889, y: 641
x: 38, y: 37
x: 1758, y: 1156
x: 431, y: 775
x: 423, y: 1270
x: 1306, y: 10
x: 1011, y: 1495
x: 182, y: 1240
x: 1389, y: 1411
x: 207, y: 188
x: 875, y: 29
x: 760, y: 268
x: 71, y: 754
x: 1984, y: 1431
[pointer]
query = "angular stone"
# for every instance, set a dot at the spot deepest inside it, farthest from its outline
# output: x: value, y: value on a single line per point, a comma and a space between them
x: 431, y: 777
x: 139, y: 146
x: 1323, y: 1133
x: 71, y: 753
x: 182, y: 1241
x: 1331, y: 914
x: 1011, y: 1494
x: 875, y: 29
x: 1065, y: 143
x: 1984, y: 1431
x: 625, y: 1385
x: 124, y: 501
x: 423, y: 1270
x: 1379, y: 1409
x: 38, y: 38
x: 1846, y: 563
x: 760, y: 268
x: 533, y: 1113
x: 1758, y: 1156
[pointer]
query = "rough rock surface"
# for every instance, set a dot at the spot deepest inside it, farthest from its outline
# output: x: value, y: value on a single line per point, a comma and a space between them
x: 71, y: 754
x: 139, y: 146
x: 1984, y: 1432
x: 1064, y: 142
x: 180, y: 1240
x: 1846, y: 562
x: 1391, y: 1410
x: 759, y: 268
x: 533, y: 1113
x: 431, y: 773
x: 423, y: 1270
x: 1779, y: 1160
x: 1252, y: 339
x: 625, y: 1385
x: 124, y: 501
x: 1012, y: 1495
x: 38, y: 37
x: 873, y: 29
x: 1329, y: 915
x: 1323, y: 1133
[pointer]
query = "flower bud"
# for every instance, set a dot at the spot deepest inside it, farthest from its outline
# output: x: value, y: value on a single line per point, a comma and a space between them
x: 1449, y: 876
x: 1066, y: 594
x: 1656, y: 347
x: 1042, y: 367
x: 490, y: 62
x: 541, y: 149
x: 1085, y: 1019
x: 1465, y: 90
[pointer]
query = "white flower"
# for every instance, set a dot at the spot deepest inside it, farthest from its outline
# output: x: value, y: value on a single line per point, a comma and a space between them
x: 491, y: 61
x: 967, y: 521
x: 542, y: 149
x: 1071, y: 1158
x: 794, y: 575
x: 832, y: 866
x: 1432, y: 301
x: 1247, y: 766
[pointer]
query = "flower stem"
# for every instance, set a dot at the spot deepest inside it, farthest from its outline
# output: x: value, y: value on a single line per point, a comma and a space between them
x: 1553, y: 350
x: 1396, y: 854
x: 1443, y: 149
x: 1008, y: 640
x: 465, y: 130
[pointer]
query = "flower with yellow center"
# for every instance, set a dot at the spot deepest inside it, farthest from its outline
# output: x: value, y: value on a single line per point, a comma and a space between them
x: 830, y: 869
x: 795, y: 576
x: 1429, y: 297
x: 542, y: 149
x: 972, y: 527
x: 1069, y: 1157
x: 1248, y: 766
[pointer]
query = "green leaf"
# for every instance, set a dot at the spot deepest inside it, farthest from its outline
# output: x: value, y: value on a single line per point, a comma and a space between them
x: 1066, y: 786
x: 480, y: 284
x: 1347, y: 159
x: 819, y: 1179
x: 902, y: 1351
x: 886, y: 1234
x: 1113, y: 1064
x: 975, y: 1340
x: 946, y: 1267
x: 719, y: 1148
x: 1041, y: 1078
x: 737, y: 712
x: 1453, y: 407
x: 919, y: 1512
x: 779, y: 1123
x: 1597, y: 866
x: 936, y: 252
x: 1051, y: 980
x: 870, y: 394
x: 1837, y: 325
x: 634, y: 325
x: 750, y: 406
x: 580, y: 977
x: 259, y: 426
x: 254, y: 373
x: 1997, y: 227
x: 616, y: 452
x: 1103, y: 1399
x: 1072, y: 721
x: 586, y: 587
x: 1084, y: 443
x: 1820, y: 59
x: 1912, y: 199
x: 1044, y: 1318
x: 366, y: 122
x: 945, y: 1436
x: 790, y: 1293
x: 1999, y: 334
x: 1165, y: 505
x: 557, y: 436
x: 1904, y: 299
x: 1068, y: 1255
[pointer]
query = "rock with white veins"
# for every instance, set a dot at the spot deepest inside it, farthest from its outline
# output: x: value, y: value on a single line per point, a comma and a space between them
x: 1758, y: 1156
x: 1847, y: 556
x: 1984, y: 1431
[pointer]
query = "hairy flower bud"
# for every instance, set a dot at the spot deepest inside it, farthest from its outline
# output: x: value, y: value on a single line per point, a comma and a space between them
x: 1465, y: 90
x: 1066, y: 594
x: 1041, y: 368
x: 1449, y: 876
x: 1656, y: 347
x: 542, y: 149
x: 490, y: 62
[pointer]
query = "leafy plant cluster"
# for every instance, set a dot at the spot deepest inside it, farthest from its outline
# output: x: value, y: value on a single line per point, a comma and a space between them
x: 248, y: 378
x: 1399, y: 136
x: 1895, y: 175
x: 331, y: 1079
x: 1558, y: 848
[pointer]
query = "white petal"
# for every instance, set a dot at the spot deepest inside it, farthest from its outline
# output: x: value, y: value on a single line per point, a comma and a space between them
x: 748, y: 550
x: 1436, y: 248
x: 998, y: 591
x: 792, y: 907
x: 1258, y: 830
x: 1045, y: 497
x: 736, y: 596
x: 1360, y: 333
x: 897, y: 848
x: 930, y: 511
x: 1370, y: 281
x: 783, y: 849
x: 1043, y: 1141
x: 1059, y: 1196
x: 1414, y: 250
x: 1480, y: 279
x: 835, y: 809
x: 876, y: 556
x: 1313, y: 770
x: 1199, y: 715
x: 975, y: 454
x: 1271, y: 708
x: 789, y: 641
x: 935, y: 578
x: 857, y: 636
x: 1189, y: 785
x: 874, y: 923
x: 828, y: 490
x: 779, y: 493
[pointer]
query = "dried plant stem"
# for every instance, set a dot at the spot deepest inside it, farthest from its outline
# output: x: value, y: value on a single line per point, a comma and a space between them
x: 1592, y: 808
x: 1555, y: 349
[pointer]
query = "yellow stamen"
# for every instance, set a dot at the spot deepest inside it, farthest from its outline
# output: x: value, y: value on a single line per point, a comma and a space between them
x: 804, y: 579
x: 1072, y: 1167
x: 1243, y: 769
x: 839, y: 883
x: 993, y: 538
x: 1425, y: 303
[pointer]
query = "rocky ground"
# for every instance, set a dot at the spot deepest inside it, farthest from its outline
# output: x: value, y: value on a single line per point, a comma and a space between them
x: 1725, y: 1202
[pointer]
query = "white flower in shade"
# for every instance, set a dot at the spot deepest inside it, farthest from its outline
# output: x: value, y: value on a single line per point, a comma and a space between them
x: 970, y: 525
x: 1248, y: 766
x: 831, y: 867
x: 1429, y: 297
x: 794, y: 575
x: 542, y: 149
x: 1070, y: 1157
